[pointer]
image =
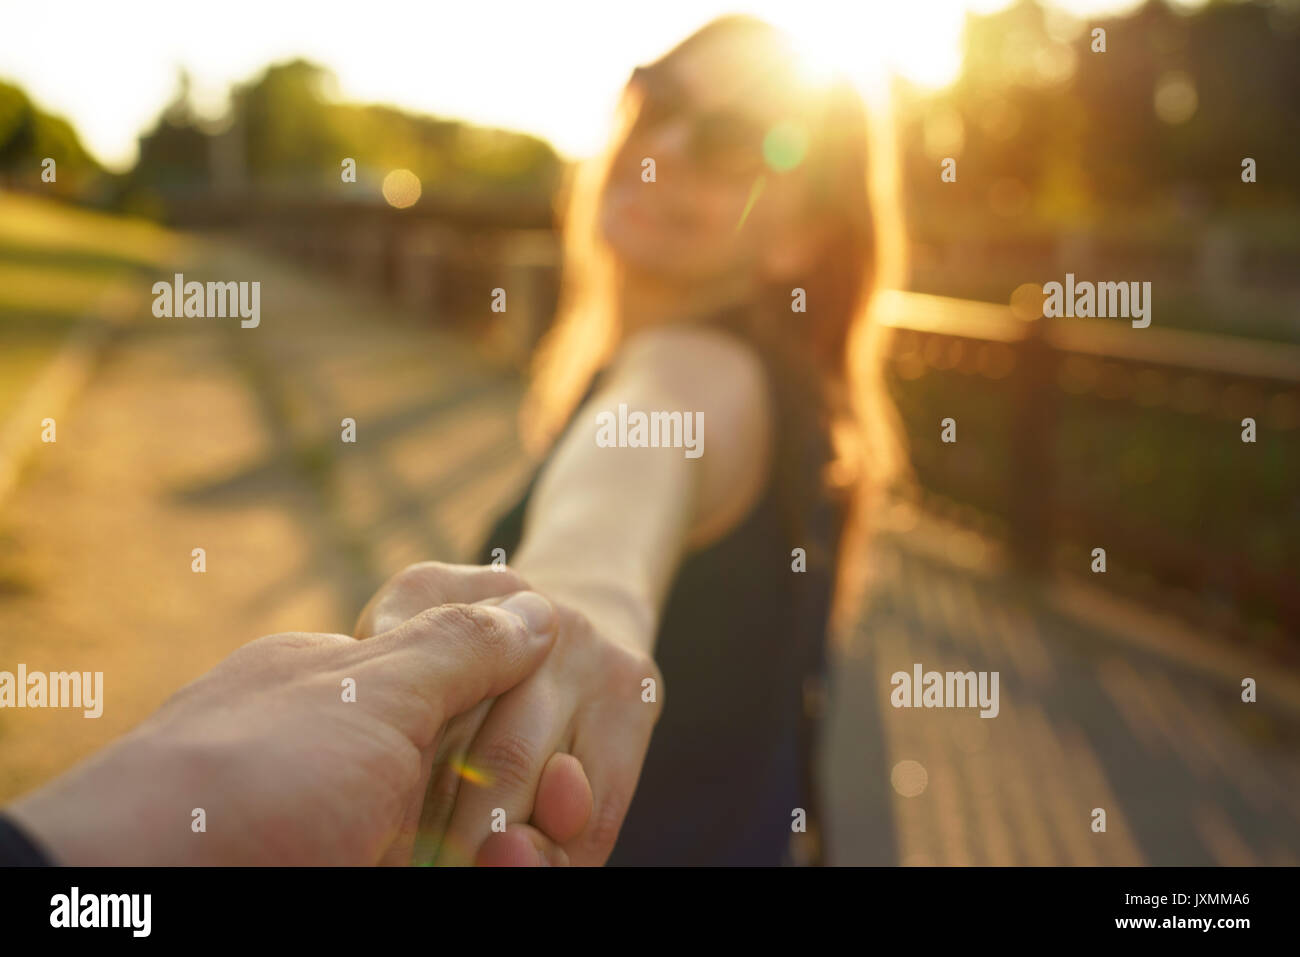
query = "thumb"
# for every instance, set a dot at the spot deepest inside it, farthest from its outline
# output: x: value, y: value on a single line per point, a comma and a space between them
x: 452, y: 657
x: 520, y: 846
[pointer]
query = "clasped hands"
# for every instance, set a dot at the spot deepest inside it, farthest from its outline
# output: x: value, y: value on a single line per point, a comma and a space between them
x: 554, y: 758
x: 477, y: 722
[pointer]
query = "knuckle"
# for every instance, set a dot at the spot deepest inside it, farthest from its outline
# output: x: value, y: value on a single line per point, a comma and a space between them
x: 627, y: 672
x: 429, y: 576
x: 480, y: 630
x: 606, y: 822
x: 317, y: 640
x: 404, y: 767
x: 406, y: 594
x: 287, y: 641
x: 290, y: 647
x: 416, y: 576
x: 504, y: 577
x: 510, y: 761
x: 656, y: 706
x: 574, y: 623
x: 634, y: 664
x: 460, y: 619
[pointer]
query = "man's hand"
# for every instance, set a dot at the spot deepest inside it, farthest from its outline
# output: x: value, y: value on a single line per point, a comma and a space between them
x: 288, y: 765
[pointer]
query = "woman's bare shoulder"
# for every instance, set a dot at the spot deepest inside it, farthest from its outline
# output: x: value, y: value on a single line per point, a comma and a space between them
x: 714, y: 369
x: 722, y: 377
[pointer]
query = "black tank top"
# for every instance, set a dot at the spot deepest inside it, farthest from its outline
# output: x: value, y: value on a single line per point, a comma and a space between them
x: 740, y: 633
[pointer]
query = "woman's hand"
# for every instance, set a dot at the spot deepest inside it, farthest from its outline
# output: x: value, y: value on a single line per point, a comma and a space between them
x: 593, y: 697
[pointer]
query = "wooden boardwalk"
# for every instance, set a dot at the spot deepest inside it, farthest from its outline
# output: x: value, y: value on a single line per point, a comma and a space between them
x: 195, y: 433
x: 1101, y: 706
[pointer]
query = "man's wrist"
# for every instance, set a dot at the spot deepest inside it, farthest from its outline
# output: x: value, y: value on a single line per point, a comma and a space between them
x: 19, y: 848
x: 97, y: 814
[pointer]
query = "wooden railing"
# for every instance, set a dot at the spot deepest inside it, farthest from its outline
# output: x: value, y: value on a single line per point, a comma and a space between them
x: 1072, y: 434
x: 1125, y: 439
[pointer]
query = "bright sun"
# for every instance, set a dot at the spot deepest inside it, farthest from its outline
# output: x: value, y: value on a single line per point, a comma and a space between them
x: 558, y: 76
x: 921, y: 41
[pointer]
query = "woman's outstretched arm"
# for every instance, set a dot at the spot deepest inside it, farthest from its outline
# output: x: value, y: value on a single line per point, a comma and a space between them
x: 604, y: 533
x: 607, y: 526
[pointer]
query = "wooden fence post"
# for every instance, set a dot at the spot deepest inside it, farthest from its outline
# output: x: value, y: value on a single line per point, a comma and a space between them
x: 1033, y: 443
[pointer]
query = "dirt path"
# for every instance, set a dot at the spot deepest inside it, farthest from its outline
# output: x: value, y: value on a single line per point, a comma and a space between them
x: 196, y: 433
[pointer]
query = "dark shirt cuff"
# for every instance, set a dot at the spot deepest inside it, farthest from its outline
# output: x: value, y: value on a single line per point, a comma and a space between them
x: 19, y: 850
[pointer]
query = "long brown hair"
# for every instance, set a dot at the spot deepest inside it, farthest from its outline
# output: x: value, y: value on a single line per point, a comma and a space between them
x: 834, y: 350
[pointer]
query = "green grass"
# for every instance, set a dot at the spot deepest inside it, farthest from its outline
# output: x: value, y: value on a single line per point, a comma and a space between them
x: 59, y: 264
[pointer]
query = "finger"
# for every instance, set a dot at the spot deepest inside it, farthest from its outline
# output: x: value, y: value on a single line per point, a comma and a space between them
x: 404, y: 848
x: 563, y: 802
x: 402, y: 851
x: 429, y: 584
x: 561, y: 805
x: 523, y: 729
x: 446, y: 660
x: 450, y: 767
x: 520, y: 846
x: 611, y: 743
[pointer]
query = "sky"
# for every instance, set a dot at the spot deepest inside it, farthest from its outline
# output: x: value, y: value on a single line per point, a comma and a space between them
x: 551, y: 67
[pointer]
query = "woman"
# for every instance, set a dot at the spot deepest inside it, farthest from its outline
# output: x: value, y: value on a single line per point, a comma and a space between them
x: 720, y: 261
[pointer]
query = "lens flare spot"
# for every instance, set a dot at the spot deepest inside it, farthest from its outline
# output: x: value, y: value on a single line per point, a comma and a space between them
x: 909, y: 778
x: 401, y: 188
x: 754, y: 192
x: 1027, y: 301
x: 785, y: 146
x: 1175, y: 97
x: 467, y: 772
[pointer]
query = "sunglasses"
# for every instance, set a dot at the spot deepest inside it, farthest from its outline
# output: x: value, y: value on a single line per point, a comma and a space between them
x: 721, y: 142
